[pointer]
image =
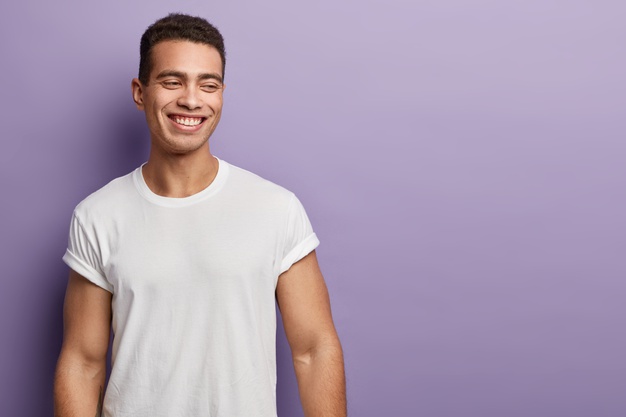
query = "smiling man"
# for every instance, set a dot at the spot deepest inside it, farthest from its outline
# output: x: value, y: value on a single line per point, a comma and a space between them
x: 184, y: 259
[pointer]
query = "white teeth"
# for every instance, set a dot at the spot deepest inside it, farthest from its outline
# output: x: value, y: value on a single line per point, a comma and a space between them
x: 188, y: 121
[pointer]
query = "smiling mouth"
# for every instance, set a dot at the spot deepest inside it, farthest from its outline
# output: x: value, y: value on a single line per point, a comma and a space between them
x: 187, y: 121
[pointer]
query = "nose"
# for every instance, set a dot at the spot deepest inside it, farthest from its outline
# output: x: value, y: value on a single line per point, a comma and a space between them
x: 189, y: 98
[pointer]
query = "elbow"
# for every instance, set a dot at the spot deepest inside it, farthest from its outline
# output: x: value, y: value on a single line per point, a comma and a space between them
x: 74, y: 361
x: 325, y: 349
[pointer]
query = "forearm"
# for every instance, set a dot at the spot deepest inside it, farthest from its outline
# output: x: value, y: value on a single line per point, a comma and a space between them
x: 78, y: 387
x: 321, y: 381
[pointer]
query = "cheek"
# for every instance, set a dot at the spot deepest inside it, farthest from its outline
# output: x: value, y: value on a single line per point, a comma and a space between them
x: 162, y: 100
x: 215, y: 104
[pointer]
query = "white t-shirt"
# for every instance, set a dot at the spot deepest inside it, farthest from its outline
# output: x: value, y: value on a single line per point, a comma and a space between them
x: 193, y: 282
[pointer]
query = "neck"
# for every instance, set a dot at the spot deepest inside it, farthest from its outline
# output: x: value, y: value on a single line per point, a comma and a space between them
x: 180, y: 176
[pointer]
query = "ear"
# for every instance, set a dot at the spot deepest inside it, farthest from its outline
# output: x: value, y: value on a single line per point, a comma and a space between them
x: 137, y: 90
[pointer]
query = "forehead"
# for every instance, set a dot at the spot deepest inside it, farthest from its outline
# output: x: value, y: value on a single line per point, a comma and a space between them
x: 188, y: 57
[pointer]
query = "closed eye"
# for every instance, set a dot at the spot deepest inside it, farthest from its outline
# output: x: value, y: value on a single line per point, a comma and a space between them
x: 210, y: 88
x: 171, y: 84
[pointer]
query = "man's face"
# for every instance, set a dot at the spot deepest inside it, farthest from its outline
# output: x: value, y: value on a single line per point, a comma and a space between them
x: 183, y: 98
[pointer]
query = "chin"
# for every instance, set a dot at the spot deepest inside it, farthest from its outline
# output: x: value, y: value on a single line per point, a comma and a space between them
x: 182, y: 149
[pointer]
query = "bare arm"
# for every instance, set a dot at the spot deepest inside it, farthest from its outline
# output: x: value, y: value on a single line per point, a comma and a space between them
x: 317, y: 355
x: 81, y: 369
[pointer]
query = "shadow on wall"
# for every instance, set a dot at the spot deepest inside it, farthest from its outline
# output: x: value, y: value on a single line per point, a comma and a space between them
x: 110, y: 139
x: 127, y: 135
x: 37, y: 336
x: 119, y: 143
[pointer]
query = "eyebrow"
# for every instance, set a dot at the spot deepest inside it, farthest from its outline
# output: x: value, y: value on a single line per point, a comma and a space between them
x: 182, y: 75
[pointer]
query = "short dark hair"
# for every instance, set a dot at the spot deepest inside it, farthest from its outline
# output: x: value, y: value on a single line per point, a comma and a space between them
x: 177, y: 26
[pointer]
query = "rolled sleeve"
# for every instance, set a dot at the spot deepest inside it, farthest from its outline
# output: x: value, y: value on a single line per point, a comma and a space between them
x: 300, y: 239
x: 82, y: 258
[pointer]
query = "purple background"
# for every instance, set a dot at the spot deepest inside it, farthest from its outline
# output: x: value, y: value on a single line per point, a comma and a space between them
x: 462, y: 163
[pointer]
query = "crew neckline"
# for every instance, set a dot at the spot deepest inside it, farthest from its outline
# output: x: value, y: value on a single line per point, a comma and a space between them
x: 209, y: 191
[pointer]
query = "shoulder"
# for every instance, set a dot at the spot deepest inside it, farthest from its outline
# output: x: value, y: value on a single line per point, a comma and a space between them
x: 106, y: 199
x: 253, y: 186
